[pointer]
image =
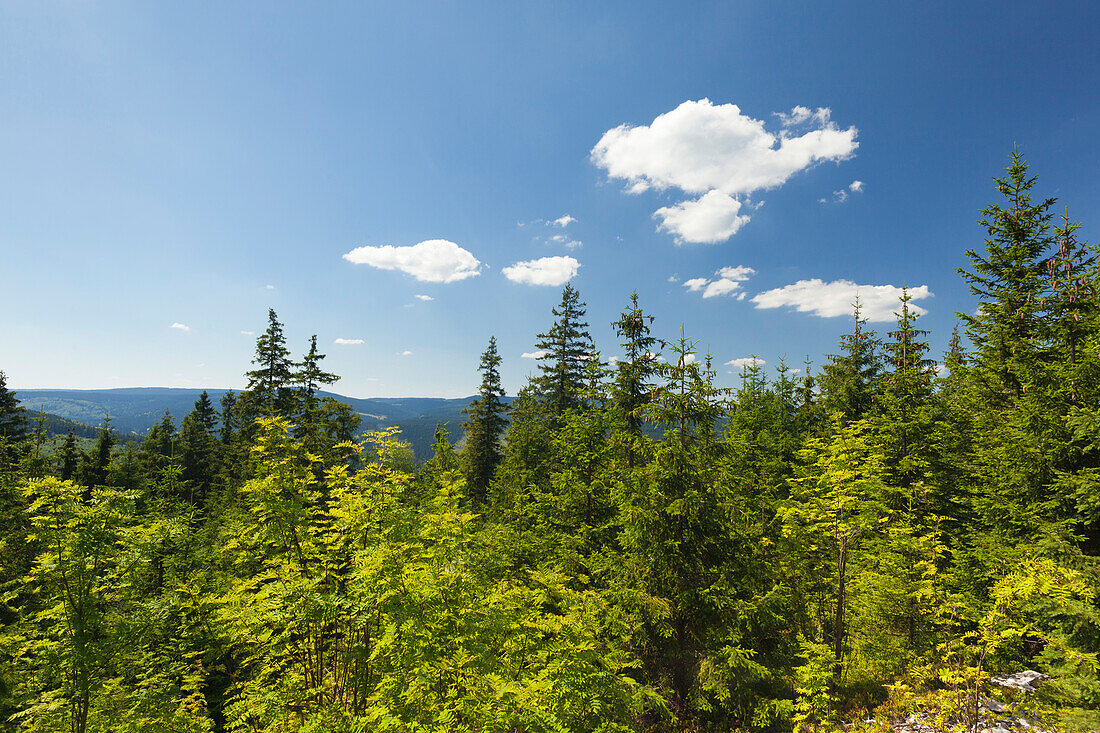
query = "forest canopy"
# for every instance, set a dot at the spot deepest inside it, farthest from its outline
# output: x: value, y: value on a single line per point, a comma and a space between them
x: 624, y: 547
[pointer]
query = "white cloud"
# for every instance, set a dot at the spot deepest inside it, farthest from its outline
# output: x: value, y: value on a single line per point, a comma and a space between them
x: 689, y: 359
x: 406, y: 352
x: 719, y: 154
x: 841, y: 195
x: 425, y: 298
x: 798, y: 115
x: 710, y: 219
x: 248, y: 333
x: 543, y: 271
x: 564, y: 240
x: 673, y: 279
x: 699, y: 147
x: 744, y: 361
x: 836, y: 298
x: 720, y: 287
x: 269, y: 287
x: 695, y: 284
x: 727, y: 283
x: 348, y: 342
x: 180, y: 327
x: 435, y: 260
x: 564, y: 221
x: 534, y: 354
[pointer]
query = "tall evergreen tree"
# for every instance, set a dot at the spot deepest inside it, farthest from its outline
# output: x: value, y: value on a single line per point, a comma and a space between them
x: 270, y: 384
x: 567, y: 348
x: 632, y: 388
x: 485, y: 426
x: 850, y: 379
x: 13, y: 416
x: 1009, y: 279
x: 198, y: 450
x: 310, y: 377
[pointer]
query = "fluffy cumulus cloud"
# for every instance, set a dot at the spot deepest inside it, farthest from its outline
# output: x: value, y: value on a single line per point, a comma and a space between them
x: 543, y: 271
x: 709, y: 219
x: 534, y: 354
x: 433, y: 261
x: 564, y: 221
x: 726, y: 281
x: 836, y: 298
x: 425, y: 298
x: 719, y: 155
x: 180, y: 327
x: 348, y: 342
x: 744, y: 361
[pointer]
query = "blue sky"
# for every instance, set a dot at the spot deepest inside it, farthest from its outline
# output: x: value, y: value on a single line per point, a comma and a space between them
x: 170, y: 171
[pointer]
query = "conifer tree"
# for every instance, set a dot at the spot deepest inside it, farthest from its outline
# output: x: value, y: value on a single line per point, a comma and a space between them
x: 97, y: 463
x: 485, y: 426
x: 13, y: 416
x: 850, y: 380
x: 269, y: 385
x: 310, y: 377
x: 632, y: 388
x: 906, y: 395
x: 198, y: 449
x: 1009, y: 279
x: 568, y: 349
x: 69, y: 457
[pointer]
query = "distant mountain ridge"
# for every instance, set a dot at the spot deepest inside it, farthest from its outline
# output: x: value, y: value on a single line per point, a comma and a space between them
x: 136, y: 409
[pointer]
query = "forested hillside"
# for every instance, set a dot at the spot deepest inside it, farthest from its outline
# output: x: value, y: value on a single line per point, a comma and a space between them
x: 624, y: 547
x: 135, y: 410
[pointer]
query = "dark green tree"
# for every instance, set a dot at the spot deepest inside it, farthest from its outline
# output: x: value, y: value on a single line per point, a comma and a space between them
x: 633, y: 385
x: 849, y: 381
x: 199, y: 450
x: 1009, y: 279
x: 70, y: 457
x: 310, y: 377
x: 270, y: 385
x: 485, y: 426
x: 567, y: 348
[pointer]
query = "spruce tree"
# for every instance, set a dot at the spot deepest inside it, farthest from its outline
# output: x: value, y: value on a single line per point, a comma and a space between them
x: 1009, y: 280
x: 198, y: 450
x: 13, y: 416
x: 310, y: 377
x: 567, y: 348
x: 850, y: 380
x: 633, y: 387
x: 269, y: 385
x: 485, y: 426
x: 69, y: 457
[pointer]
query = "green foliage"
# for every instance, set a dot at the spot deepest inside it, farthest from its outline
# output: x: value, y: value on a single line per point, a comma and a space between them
x: 632, y: 549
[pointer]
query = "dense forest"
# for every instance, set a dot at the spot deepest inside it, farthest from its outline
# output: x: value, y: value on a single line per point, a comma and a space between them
x: 624, y: 547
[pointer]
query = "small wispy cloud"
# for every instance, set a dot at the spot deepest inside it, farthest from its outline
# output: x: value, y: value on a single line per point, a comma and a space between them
x: 180, y: 327
x: 248, y: 333
x: 841, y: 195
x: 534, y: 354
x: 425, y: 298
x: 406, y: 352
x: 743, y: 362
x: 727, y: 282
x: 269, y: 287
x: 348, y: 342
